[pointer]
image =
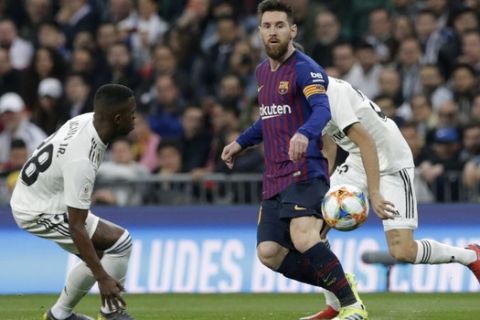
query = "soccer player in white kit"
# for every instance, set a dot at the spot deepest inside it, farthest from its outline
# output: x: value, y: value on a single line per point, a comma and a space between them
x: 52, y: 200
x: 380, y: 159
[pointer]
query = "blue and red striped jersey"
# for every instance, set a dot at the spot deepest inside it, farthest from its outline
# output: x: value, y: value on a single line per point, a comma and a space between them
x: 291, y: 99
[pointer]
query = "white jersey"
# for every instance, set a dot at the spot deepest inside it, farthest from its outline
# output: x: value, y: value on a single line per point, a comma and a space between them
x: 349, y: 106
x: 61, y: 172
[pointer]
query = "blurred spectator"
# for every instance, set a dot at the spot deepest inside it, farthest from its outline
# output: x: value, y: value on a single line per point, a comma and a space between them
x: 10, y: 79
x: 120, y: 69
x: 390, y: 85
x: 471, y: 50
x: 304, y: 15
x: 16, y: 126
x: 16, y: 159
x: 464, y: 86
x: 475, y: 111
x: 51, y: 111
x: 164, y: 62
x: 449, y: 115
x: 471, y: 175
x: 144, y: 143
x: 20, y: 50
x: 49, y: 34
x: 445, y: 157
x: 463, y: 21
x: 75, y: 16
x: 423, y: 114
x: 441, y: 10
x: 149, y: 30
x: 402, y: 28
x: 380, y: 34
x: 82, y: 61
x: 409, y: 57
x: 242, y: 63
x: 78, y: 93
x: 165, y: 108
x: 370, y: 69
x: 429, y: 35
x: 344, y: 61
x: 471, y: 141
x: 169, y: 157
x: 122, y: 13
x: 46, y: 63
x: 121, y: 169
x: 10, y: 171
x: 387, y: 105
x: 327, y: 33
x: 419, y: 151
x: 38, y: 12
x: 195, y: 139
x: 231, y: 93
x: 433, y: 85
x: 84, y: 40
x: 404, y: 7
x: 415, y: 141
x: 218, y: 9
x: 217, y: 57
x: 107, y: 35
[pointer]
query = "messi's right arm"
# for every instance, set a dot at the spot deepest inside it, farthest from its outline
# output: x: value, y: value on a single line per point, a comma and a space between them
x: 251, y: 136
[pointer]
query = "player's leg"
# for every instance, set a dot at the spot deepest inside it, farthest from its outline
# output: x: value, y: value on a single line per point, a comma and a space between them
x: 55, y: 228
x: 113, y: 244
x: 344, y: 174
x: 398, y: 188
x: 301, y: 204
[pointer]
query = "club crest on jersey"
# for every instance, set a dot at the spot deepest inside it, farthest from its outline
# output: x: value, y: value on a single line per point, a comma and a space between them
x: 283, y: 87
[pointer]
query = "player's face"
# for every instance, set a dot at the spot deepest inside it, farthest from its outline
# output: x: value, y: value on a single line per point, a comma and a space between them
x: 277, y: 33
x: 125, y: 121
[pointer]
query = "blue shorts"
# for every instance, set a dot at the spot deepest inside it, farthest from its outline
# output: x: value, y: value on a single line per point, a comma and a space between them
x: 297, y: 200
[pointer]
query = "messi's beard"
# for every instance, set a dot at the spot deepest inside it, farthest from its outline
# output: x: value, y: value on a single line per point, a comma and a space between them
x: 276, y: 52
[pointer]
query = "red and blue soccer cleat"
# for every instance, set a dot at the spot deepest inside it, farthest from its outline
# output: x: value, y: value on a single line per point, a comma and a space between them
x: 475, y: 265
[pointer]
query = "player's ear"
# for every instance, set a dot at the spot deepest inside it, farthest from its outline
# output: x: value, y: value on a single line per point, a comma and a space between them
x: 293, y: 30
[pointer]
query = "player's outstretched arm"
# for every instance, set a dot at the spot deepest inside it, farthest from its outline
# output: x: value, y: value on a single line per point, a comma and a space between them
x: 329, y: 151
x: 368, y: 151
x: 110, y: 288
x: 250, y: 137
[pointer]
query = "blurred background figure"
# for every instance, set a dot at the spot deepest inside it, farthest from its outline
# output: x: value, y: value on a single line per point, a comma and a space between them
x: 16, y: 125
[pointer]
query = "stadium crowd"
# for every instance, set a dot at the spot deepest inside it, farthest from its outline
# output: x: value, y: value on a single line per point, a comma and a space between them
x: 191, y: 64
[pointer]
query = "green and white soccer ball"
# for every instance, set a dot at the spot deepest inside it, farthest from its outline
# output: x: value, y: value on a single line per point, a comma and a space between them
x: 345, y: 207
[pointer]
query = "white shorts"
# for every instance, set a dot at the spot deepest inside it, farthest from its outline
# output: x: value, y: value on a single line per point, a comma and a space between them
x: 54, y: 227
x: 396, y: 187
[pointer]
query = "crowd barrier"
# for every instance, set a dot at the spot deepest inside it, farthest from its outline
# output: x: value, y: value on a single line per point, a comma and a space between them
x: 211, y: 249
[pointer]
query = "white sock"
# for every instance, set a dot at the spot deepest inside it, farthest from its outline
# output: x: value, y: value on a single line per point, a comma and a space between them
x: 331, y: 300
x: 80, y: 280
x: 115, y: 262
x: 434, y: 252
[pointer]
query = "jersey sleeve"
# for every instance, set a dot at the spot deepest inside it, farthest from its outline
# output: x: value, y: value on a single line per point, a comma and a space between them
x: 252, y: 135
x: 343, y: 114
x: 78, y: 181
x: 313, y: 82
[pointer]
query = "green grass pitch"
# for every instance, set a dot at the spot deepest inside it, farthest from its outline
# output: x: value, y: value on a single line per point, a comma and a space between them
x: 381, y: 306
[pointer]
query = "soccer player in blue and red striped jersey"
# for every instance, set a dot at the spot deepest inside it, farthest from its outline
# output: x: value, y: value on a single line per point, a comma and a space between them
x: 294, y: 109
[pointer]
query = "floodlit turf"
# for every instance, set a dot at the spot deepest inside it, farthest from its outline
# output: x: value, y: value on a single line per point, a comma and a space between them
x: 389, y: 306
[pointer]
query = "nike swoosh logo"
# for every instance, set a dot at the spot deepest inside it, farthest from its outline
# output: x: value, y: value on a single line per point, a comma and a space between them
x: 259, y: 88
x: 298, y: 208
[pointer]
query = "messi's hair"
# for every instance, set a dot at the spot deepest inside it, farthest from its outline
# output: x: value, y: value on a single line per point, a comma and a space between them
x: 275, y: 5
x: 111, y: 97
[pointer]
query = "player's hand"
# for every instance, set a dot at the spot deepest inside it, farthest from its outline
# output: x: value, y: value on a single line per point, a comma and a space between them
x: 383, y: 209
x: 230, y: 152
x: 298, y: 147
x: 110, y: 290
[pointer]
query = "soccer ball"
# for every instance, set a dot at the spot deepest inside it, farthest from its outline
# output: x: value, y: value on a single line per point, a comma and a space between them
x: 345, y: 207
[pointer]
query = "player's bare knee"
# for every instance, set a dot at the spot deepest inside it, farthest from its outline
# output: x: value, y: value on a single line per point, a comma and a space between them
x: 271, y: 254
x: 123, y: 245
x: 403, y: 252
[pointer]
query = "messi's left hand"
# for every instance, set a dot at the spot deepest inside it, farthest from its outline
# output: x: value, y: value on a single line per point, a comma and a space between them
x: 298, y: 147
